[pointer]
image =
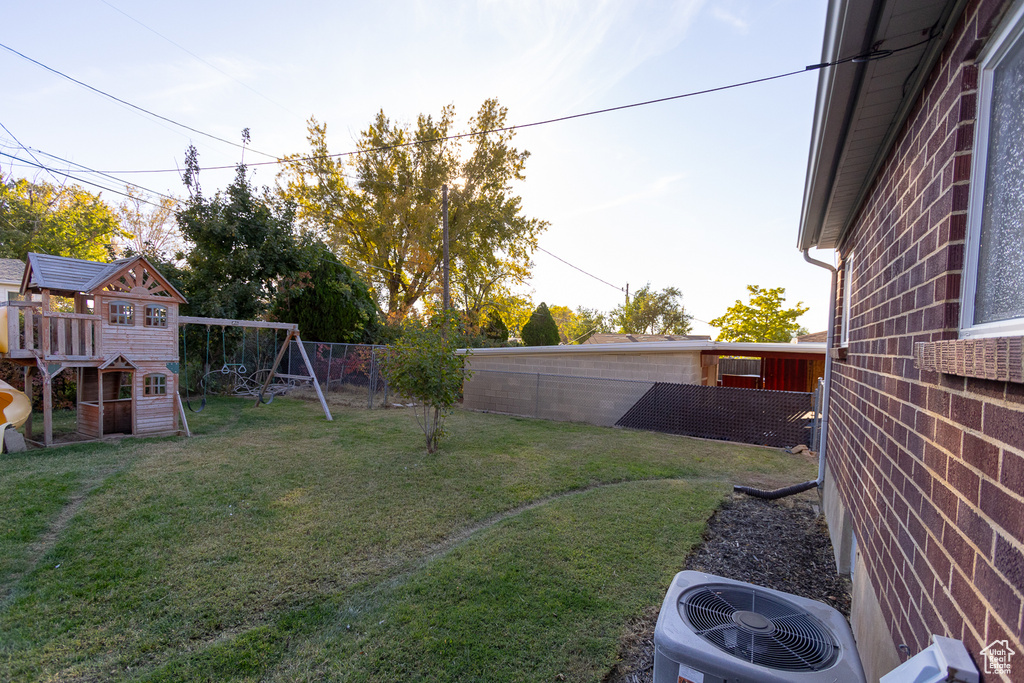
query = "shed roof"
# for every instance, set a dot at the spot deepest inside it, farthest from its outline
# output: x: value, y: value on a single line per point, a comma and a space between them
x: 862, y: 104
x: 11, y: 270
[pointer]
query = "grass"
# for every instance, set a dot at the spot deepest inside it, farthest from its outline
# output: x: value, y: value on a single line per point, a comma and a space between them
x: 275, y: 545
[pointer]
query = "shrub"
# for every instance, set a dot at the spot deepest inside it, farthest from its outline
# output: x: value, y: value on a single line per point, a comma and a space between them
x: 423, y: 366
x: 541, y: 330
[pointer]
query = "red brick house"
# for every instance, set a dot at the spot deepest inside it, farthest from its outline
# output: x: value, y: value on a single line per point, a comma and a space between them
x: 916, y: 178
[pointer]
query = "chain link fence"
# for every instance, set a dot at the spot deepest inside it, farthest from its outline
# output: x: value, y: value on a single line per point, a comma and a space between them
x: 354, y: 369
x: 756, y: 416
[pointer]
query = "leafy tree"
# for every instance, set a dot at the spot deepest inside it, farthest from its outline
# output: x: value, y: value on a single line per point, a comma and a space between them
x: 149, y: 226
x: 422, y: 365
x: 515, y: 311
x: 651, y: 312
x: 241, y: 244
x: 327, y: 300
x: 575, y: 327
x: 492, y: 239
x: 58, y: 220
x: 541, y: 330
x: 388, y: 221
x: 764, y: 320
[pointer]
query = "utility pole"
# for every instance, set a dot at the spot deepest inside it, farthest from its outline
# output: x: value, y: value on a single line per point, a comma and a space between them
x: 444, y: 240
x: 627, y: 293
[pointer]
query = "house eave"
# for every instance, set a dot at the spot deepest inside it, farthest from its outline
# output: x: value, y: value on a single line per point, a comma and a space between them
x: 862, y: 105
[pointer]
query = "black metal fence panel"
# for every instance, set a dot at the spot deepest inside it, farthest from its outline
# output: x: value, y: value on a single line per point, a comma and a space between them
x: 756, y: 416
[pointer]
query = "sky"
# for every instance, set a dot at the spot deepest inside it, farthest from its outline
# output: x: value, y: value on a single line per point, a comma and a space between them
x: 701, y: 193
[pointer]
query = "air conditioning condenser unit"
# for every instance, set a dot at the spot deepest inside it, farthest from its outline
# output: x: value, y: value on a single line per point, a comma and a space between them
x: 716, y: 630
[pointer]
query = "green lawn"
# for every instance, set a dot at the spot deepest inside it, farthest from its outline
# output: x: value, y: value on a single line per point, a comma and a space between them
x: 275, y: 545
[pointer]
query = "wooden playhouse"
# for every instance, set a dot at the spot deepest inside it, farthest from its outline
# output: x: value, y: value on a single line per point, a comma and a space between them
x: 116, y: 326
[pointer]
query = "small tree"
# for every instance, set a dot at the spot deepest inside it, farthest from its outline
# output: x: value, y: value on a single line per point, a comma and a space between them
x: 423, y: 366
x: 542, y: 329
x: 651, y: 312
x: 576, y: 327
x: 764, y: 320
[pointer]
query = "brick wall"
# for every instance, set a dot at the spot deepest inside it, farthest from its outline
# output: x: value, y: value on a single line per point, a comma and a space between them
x: 930, y: 465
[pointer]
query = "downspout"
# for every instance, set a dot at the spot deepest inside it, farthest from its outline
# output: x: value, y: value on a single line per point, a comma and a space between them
x: 826, y: 399
x: 829, y: 339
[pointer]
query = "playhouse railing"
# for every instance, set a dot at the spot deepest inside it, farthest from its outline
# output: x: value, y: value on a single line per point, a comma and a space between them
x: 51, y: 335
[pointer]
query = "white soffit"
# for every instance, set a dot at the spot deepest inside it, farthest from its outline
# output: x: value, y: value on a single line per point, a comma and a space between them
x: 862, y: 105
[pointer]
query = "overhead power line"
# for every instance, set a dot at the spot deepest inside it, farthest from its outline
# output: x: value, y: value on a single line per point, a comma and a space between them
x: 621, y: 289
x: 53, y: 171
x: 102, y: 174
x: 18, y: 142
x: 860, y: 57
x: 195, y: 56
x: 135, y: 106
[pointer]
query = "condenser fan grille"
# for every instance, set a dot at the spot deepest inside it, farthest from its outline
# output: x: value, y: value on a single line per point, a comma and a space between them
x: 759, y: 628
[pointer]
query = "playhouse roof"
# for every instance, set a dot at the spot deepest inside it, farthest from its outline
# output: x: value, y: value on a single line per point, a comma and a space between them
x: 64, y: 275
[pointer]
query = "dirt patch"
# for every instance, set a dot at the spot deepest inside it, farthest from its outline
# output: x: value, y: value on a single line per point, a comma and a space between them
x: 781, y: 544
x: 342, y: 396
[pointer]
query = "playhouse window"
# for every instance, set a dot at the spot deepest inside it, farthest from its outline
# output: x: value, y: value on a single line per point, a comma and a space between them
x: 156, y: 315
x: 993, y: 283
x: 122, y: 313
x: 154, y: 385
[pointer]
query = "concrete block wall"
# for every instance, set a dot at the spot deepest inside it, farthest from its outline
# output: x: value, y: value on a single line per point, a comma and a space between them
x: 576, y: 383
x: 929, y: 465
x: 682, y: 367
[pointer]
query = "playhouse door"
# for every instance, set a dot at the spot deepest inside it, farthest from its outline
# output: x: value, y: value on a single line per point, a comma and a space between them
x: 117, y: 417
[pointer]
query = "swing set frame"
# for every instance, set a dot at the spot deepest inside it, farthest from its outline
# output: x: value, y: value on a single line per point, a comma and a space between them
x: 292, y: 334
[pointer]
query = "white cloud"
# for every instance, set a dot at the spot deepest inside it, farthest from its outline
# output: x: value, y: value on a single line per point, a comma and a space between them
x: 728, y: 18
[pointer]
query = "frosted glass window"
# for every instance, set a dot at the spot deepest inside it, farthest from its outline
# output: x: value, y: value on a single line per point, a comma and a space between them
x: 844, y: 324
x: 992, y: 304
x: 1000, y: 289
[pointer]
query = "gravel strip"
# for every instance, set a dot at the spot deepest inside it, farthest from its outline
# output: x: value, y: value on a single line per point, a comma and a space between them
x: 781, y: 544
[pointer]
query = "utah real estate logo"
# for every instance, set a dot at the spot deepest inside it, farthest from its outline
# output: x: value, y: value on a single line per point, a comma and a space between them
x: 997, y: 657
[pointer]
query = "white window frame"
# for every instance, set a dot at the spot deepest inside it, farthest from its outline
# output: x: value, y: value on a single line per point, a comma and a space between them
x: 844, y: 317
x: 1010, y: 32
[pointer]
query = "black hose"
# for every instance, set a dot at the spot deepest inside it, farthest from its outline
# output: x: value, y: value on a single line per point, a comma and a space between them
x: 777, y: 493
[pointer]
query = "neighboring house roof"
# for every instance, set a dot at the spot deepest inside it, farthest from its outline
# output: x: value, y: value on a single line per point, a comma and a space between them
x: 813, y: 337
x: 609, y: 338
x: 70, y: 275
x: 863, y: 104
x: 11, y: 270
